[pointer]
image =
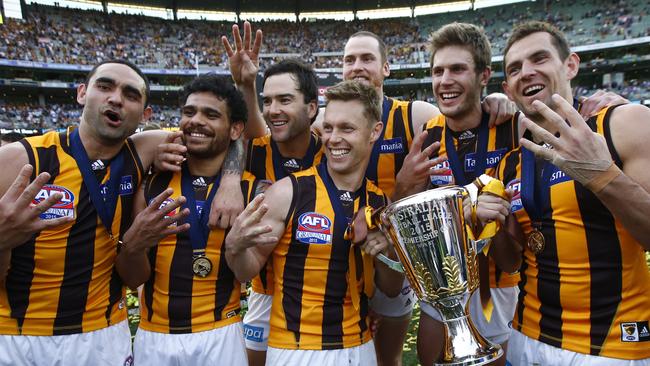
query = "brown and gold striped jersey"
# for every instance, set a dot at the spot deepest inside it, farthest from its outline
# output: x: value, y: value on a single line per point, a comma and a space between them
x: 63, y: 280
x: 588, y: 290
x: 174, y: 300
x: 313, y: 302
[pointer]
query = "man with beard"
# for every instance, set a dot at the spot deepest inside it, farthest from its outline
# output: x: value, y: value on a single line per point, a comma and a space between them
x: 581, y: 201
x: 190, y: 300
x: 321, y: 281
x: 61, y: 299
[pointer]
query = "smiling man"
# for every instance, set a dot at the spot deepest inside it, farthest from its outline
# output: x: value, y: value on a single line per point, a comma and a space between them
x: 61, y: 300
x: 582, y: 193
x: 322, y: 282
x: 190, y: 300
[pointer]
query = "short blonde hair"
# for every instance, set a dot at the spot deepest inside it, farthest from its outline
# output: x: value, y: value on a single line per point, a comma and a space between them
x: 351, y: 90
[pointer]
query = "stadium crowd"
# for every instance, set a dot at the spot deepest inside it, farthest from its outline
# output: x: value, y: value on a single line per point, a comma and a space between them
x: 53, y: 34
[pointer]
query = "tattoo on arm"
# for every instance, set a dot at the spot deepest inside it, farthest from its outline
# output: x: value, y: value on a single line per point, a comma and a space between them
x: 235, y: 158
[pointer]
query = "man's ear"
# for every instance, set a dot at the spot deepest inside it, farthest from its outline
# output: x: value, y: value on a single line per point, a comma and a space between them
x: 375, y: 133
x: 572, y: 64
x: 146, y: 114
x: 81, y: 94
x: 485, y: 76
x: 236, y: 129
x: 506, y: 89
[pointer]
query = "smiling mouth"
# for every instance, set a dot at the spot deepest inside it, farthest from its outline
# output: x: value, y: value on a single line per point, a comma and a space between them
x: 448, y: 96
x: 339, y: 152
x: 533, y: 89
x: 278, y: 123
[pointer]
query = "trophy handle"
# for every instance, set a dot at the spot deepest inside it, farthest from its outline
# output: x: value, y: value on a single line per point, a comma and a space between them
x: 394, y: 265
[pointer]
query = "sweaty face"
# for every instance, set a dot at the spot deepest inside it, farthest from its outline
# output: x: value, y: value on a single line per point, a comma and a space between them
x: 206, y: 126
x: 362, y: 62
x: 347, y: 136
x: 456, y: 84
x: 534, y: 71
x: 284, y: 108
x: 114, y: 102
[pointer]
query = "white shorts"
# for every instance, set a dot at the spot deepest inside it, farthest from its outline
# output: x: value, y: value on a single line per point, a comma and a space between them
x: 525, y: 351
x: 107, y: 346
x: 363, y: 355
x: 498, y: 328
x: 221, y: 346
x: 256, y: 321
x: 395, y: 307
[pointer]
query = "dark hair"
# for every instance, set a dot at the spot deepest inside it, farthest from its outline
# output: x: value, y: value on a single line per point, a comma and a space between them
x: 12, y: 136
x: 222, y: 87
x: 352, y: 90
x: 302, y: 72
x: 467, y: 36
x: 523, y: 30
x: 380, y: 43
x: 130, y: 65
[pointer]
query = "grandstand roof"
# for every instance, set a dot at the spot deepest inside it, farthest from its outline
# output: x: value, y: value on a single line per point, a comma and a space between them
x: 281, y: 6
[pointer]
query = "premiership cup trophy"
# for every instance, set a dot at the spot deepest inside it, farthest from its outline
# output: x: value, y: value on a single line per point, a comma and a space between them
x: 440, y: 261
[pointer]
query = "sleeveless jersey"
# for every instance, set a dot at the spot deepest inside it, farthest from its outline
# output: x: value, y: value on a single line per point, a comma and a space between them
x: 174, y: 299
x: 265, y: 162
x: 391, y: 148
x: 317, y: 271
x: 501, y: 139
x: 588, y: 290
x: 63, y: 280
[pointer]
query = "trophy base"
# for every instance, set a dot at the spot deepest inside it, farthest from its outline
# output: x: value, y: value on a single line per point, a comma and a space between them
x: 465, y: 346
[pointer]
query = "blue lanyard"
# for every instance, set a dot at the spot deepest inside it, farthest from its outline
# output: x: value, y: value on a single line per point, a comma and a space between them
x: 536, y: 196
x: 105, y: 204
x: 199, y: 230
x: 376, y: 148
x: 308, y: 160
x: 457, y: 168
x: 341, y: 220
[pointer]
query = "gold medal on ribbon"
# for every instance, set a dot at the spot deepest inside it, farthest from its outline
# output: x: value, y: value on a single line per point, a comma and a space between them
x: 201, y: 266
x: 536, y: 241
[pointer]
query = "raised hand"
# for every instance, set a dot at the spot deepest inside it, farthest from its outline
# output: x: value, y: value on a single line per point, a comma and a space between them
x: 244, y: 60
x: 417, y: 167
x: 170, y: 154
x: 156, y: 221
x: 578, y: 151
x: 247, y: 232
x: 19, y: 216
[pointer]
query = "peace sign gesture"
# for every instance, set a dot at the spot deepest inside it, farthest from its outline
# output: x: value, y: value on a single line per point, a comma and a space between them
x: 244, y: 61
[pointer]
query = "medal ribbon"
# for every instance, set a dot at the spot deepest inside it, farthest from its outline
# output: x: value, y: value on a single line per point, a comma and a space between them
x: 199, y: 230
x: 105, y: 204
x: 373, y: 165
x: 306, y: 161
x: 457, y: 168
x: 341, y: 221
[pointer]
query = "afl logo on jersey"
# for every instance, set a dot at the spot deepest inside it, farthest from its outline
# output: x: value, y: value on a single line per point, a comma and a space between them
x: 165, y: 203
x: 63, y: 208
x: 444, y: 176
x: 314, y: 228
x: 515, y: 201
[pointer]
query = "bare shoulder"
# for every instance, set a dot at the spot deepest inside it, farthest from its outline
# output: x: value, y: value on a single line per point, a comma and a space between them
x: 422, y: 112
x: 630, y: 131
x: 13, y: 157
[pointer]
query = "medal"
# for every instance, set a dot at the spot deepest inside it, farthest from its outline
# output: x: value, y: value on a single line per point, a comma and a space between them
x: 201, y: 266
x: 536, y: 241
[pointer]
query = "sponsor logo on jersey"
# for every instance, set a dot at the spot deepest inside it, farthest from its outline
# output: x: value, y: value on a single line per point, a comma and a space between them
x: 314, y: 228
x: 466, y: 135
x: 346, y: 198
x: 253, y: 333
x: 557, y: 176
x: 391, y: 146
x: 97, y: 165
x: 491, y: 160
x: 63, y: 208
x: 126, y: 185
x: 165, y: 203
x: 291, y: 164
x: 515, y: 201
x: 635, y: 332
x: 442, y: 178
x: 199, y: 183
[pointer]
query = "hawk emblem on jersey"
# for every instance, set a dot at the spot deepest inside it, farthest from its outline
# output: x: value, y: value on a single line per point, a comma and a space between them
x: 515, y: 201
x: 314, y: 228
x: 442, y: 178
x: 63, y: 208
